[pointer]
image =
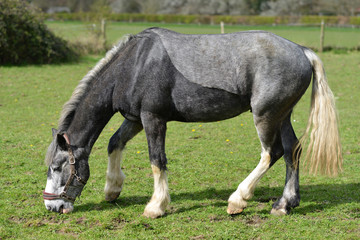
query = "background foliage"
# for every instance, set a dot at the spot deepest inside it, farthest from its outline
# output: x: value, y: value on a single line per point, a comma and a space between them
x: 213, y: 7
x: 24, y: 38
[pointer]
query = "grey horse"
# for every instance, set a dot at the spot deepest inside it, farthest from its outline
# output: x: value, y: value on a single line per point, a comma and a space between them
x: 159, y: 75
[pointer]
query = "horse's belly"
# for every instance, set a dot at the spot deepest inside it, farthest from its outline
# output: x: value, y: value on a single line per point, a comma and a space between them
x: 195, y: 103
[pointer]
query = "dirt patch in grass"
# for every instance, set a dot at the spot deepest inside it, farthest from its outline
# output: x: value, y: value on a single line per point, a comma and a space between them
x: 216, y: 218
x: 255, y: 221
x: 355, y: 213
x: 65, y: 232
x: 198, y: 237
x: 37, y: 222
x: 17, y: 220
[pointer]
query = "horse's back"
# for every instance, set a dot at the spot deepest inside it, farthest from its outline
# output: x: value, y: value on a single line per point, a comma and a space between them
x: 231, y: 61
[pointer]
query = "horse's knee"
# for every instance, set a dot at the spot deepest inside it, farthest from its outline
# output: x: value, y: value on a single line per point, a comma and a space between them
x: 114, y: 143
x: 124, y: 134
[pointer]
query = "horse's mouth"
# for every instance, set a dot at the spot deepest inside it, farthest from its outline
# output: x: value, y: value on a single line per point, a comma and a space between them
x: 65, y: 210
x: 62, y: 207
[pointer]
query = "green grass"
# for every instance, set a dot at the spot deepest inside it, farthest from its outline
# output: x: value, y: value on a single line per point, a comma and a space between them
x: 204, y: 168
x: 307, y: 36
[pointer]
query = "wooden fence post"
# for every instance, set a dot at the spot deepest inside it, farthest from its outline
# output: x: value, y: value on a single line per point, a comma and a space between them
x: 222, y: 27
x: 103, y: 31
x: 322, y: 35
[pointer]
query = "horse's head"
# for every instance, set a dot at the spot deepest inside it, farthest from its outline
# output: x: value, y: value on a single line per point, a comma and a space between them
x: 67, y: 174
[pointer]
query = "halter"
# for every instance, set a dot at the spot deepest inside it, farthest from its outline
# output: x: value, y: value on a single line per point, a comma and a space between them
x: 73, y: 174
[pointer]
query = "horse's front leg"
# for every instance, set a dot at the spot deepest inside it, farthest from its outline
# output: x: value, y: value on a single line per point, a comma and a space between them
x: 155, y: 129
x: 114, y: 175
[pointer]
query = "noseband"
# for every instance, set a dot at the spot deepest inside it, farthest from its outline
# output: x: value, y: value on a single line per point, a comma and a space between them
x: 73, y: 174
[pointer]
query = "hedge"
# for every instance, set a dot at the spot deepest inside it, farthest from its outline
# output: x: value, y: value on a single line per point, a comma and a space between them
x: 25, y: 39
x: 213, y: 19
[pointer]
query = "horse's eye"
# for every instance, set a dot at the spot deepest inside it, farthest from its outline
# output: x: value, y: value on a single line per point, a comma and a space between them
x: 57, y: 169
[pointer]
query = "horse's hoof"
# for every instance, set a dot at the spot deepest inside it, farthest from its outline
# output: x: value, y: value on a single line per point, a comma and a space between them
x: 233, y: 210
x: 278, y: 212
x: 153, y: 214
x: 111, y: 197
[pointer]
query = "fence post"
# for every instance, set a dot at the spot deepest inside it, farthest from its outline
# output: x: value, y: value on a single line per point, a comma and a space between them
x: 322, y: 35
x: 222, y: 27
x: 103, y: 31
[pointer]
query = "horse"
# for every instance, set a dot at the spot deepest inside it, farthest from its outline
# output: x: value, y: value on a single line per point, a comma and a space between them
x: 158, y: 75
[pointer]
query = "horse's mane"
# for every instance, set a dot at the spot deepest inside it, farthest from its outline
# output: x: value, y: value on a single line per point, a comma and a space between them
x: 69, y: 107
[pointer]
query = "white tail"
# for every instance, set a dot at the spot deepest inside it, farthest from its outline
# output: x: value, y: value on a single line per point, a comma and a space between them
x: 324, y: 149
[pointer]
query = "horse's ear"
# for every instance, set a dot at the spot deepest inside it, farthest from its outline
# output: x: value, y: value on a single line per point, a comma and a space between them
x: 61, y: 141
x: 54, y: 132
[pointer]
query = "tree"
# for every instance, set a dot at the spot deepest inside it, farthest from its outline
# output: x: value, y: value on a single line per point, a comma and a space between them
x: 343, y: 7
x: 126, y: 6
x: 288, y: 7
x: 149, y: 6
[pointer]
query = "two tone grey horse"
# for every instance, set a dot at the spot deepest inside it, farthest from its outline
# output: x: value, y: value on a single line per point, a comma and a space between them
x: 159, y: 76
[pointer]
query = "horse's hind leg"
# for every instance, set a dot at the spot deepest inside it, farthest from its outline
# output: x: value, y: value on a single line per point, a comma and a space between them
x: 114, y: 175
x: 155, y: 129
x: 272, y: 150
x: 291, y: 194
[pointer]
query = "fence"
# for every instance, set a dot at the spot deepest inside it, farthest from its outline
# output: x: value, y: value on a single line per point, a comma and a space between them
x: 217, y: 19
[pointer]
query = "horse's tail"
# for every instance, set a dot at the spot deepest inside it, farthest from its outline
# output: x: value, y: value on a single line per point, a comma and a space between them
x: 324, y: 149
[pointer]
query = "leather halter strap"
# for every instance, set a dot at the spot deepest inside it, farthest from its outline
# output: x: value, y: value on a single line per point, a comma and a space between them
x: 73, y: 174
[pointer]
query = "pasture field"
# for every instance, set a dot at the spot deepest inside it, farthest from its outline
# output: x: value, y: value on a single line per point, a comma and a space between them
x: 307, y: 36
x: 207, y: 161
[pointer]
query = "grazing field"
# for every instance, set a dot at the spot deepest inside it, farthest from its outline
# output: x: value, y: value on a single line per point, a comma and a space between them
x: 307, y: 36
x: 207, y: 161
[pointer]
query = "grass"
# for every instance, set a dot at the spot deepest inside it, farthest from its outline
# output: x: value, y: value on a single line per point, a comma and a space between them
x: 206, y: 163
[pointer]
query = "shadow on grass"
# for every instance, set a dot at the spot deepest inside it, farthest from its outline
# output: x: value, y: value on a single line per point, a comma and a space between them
x: 319, y: 197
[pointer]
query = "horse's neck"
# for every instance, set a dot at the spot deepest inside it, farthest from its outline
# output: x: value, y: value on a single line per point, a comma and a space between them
x: 91, y: 115
x: 96, y: 108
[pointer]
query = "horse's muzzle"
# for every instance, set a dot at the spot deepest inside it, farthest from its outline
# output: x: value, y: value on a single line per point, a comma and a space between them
x: 59, y: 205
